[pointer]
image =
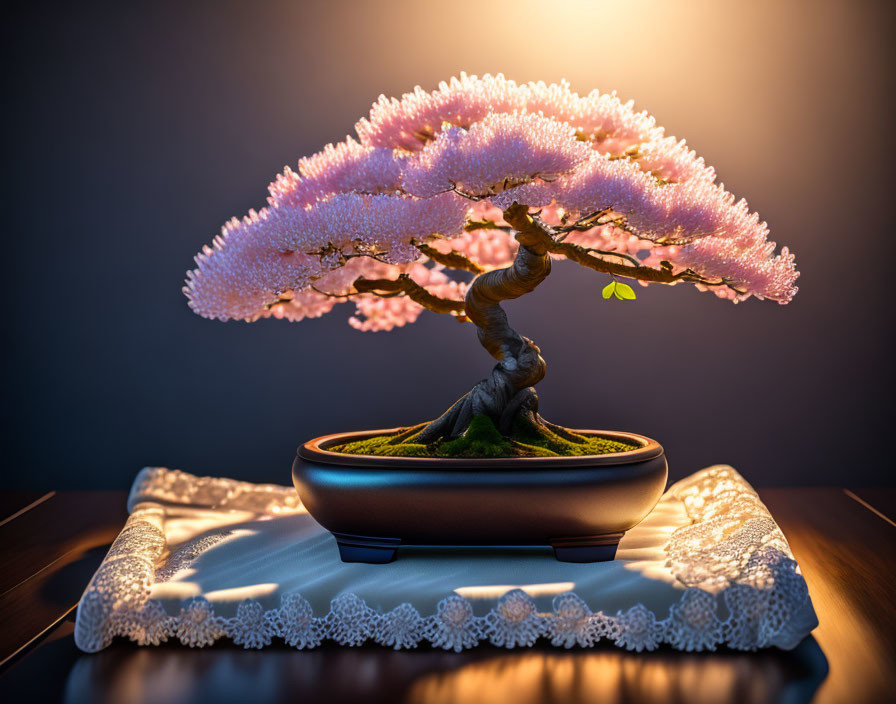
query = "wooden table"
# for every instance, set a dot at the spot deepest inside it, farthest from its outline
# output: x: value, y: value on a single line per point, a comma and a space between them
x: 844, y: 540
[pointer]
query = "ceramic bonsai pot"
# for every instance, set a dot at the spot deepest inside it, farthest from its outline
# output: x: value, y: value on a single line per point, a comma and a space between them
x: 581, y: 506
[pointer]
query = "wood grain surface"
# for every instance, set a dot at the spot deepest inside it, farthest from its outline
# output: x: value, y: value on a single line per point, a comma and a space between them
x: 49, y: 554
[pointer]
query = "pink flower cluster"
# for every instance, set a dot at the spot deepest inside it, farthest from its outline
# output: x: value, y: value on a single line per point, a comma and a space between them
x: 430, y: 162
x: 347, y: 167
x: 501, y: 149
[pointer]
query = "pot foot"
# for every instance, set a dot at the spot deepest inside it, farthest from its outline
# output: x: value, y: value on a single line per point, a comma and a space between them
x: 595, y: 548
x: 361, y: 548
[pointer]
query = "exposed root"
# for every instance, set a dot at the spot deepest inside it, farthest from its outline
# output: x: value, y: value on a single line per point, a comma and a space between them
x: 523, y: 405
x: 496, y: 397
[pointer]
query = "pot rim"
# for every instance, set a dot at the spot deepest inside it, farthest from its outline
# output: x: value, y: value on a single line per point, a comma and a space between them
x: 315, y: 450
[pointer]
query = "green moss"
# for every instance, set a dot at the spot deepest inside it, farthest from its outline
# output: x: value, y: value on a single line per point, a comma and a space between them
x: 570, y: 444
x: 483, y: 439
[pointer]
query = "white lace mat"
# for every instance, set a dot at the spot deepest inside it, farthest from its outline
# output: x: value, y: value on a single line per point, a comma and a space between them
x: 202, y: 558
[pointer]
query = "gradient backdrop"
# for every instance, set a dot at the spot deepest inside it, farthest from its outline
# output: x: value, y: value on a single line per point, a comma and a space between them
x: 134, y: 131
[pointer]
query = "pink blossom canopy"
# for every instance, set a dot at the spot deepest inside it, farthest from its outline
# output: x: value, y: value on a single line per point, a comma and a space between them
x: 435, y: 170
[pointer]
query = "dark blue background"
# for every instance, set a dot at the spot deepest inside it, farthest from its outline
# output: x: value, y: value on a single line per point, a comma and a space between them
x: 134, y: 131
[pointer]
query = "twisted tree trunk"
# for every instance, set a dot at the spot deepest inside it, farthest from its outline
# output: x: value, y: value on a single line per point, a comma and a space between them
x: 508, y: 393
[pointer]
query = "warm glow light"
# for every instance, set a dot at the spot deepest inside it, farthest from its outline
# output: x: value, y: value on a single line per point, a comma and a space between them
x: 237, y: 594
x: 196, y: 522
x: 532, y: 678
x: 495, y: 591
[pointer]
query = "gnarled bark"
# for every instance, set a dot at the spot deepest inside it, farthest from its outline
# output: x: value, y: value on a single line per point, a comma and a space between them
x: 508, y: 393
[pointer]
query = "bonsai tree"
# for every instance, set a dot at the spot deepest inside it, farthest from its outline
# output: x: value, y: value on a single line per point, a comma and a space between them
x: 455, y: 200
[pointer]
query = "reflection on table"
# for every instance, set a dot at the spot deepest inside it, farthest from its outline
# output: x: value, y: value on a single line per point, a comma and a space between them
x: 368, y: 674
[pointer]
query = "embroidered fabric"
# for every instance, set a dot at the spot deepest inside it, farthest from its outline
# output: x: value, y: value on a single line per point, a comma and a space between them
x: 735, y: 582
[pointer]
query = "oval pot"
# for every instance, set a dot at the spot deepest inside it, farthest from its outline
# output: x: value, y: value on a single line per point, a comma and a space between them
x: 581, y: 506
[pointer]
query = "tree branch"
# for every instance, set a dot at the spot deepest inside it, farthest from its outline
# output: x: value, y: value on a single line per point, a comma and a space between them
x: 346, y: 295
x: 533, y: 229
x: 610, y: 253
x: 452, y: 259
x: 404, y: 285
x: 664, y: 275
x: 473, y: 225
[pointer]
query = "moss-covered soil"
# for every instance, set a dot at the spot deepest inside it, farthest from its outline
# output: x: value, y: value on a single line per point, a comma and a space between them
x: 483, y: 439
